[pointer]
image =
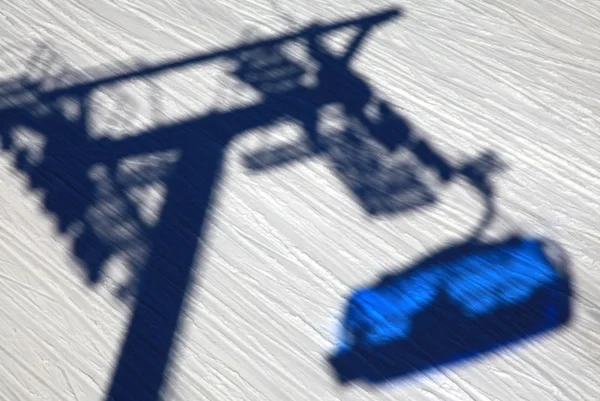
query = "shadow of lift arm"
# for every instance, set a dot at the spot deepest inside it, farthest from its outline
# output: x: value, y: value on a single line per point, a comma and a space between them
x: 362, y: 21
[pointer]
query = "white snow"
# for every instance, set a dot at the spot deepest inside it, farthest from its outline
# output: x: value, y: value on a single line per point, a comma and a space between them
x: 283, y: 248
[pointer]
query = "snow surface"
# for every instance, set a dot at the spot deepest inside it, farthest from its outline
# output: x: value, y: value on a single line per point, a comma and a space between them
x: 283, y: 248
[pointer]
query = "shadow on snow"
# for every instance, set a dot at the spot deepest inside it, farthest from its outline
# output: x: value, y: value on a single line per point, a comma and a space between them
x: 94, y: 188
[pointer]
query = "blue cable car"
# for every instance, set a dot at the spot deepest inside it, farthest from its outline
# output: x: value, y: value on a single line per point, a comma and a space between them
x: 459, y: 303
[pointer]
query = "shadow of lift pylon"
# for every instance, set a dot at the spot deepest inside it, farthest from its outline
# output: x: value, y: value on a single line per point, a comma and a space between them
x: 163, y: 279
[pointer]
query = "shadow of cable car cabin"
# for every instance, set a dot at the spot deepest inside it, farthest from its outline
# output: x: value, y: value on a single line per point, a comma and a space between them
x: 464, y: 301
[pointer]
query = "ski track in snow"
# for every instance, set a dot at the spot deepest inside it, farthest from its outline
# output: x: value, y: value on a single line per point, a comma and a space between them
x: 284, y: 247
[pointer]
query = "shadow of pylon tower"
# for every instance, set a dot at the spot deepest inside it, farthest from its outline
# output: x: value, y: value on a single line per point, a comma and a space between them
x: 144, y: 358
